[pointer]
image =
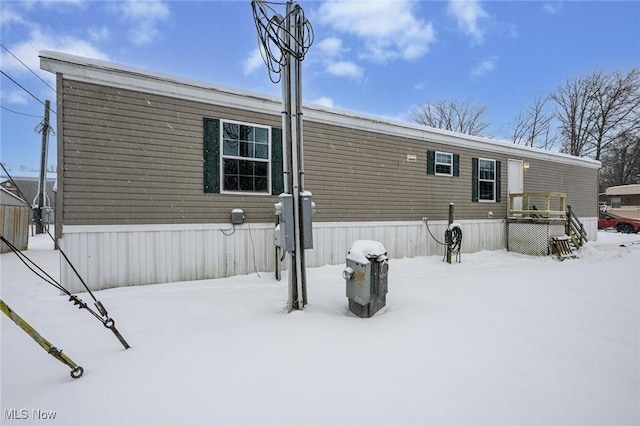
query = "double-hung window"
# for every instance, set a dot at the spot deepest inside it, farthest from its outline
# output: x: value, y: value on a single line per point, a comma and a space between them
x: 486, y: 180
x: 443, y: 163
x: 245, y: 158
x: 242, y: 158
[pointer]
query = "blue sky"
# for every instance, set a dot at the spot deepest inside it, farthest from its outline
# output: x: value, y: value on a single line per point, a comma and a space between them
x: 380, y: 58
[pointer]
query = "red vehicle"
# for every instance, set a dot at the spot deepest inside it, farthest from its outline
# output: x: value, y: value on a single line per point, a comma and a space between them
x: 622, y: 224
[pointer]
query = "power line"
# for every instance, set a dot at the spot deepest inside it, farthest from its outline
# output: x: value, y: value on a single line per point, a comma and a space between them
x: 27, y: 67
x: 23, y: 88
x: 20, y: 113
x: 16, y: 28
x: 53, y: 9
x: 273, y: 33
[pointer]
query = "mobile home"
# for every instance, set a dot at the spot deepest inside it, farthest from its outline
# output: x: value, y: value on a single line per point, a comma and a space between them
x: 150, y: 167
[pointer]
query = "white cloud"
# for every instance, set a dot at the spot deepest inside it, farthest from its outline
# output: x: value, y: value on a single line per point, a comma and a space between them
x: 388, y: 28
x: 420, y: 86
x: 99, y: 33
x: 467, y: 14
x: 16, y: 97
x: 54, y: 3
x: 252, y: 62
x: 331, y: 46
x: 144, y: 17
x: 486, y: 65
x: 552, y: 8
x: 10, y: 16
x: 323, y: 101
x: 32, y: 40
x: 344, y: 69
x: 44, y: 41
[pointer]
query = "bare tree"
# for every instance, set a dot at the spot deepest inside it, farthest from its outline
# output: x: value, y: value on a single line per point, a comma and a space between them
x: 617, y: 104
x: 621, y: 162
x: 575, y: 114
x: 595, y: 110
x: 532, y: 126
x: 454, y: 115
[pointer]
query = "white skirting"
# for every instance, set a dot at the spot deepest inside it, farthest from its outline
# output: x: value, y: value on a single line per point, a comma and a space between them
x: 127, y: 255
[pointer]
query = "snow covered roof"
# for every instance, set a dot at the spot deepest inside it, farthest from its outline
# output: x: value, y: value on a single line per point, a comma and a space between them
x: 9, y: 199
x: 624, y: 190
x: 114, y: 75
x: 28, y: 175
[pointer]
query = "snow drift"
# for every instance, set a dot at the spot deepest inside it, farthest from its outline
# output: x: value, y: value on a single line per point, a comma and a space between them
x: 500, y: 338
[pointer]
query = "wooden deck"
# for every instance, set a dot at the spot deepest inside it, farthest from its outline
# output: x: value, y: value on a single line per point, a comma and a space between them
x: 538, y: 204
x: 543, y: 223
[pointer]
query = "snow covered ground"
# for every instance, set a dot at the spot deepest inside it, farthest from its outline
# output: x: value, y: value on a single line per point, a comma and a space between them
x: 499, y: 339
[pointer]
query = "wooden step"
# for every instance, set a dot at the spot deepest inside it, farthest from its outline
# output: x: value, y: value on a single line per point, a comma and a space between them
x: 561, y: 245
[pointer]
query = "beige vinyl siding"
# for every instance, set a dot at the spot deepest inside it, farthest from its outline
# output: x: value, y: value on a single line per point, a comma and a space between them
x: 579, y: 183
x: 137, y: 158
x: 356, y: 175
x: 131, y: 157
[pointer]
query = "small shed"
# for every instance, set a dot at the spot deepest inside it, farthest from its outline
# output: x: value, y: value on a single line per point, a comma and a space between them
x: 28, y: 184
x: 15, y: 214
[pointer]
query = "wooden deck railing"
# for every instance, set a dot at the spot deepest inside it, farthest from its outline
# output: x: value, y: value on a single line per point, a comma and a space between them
x: 547, y: 205
x: 575, y: 229
x: 538, y: 204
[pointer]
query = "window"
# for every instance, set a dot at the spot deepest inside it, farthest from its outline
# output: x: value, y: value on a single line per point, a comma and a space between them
x: 443, y: 163
x: 485, y: 180
x: 616, y: 202
x: 245, y: 158
x: 242, y: 158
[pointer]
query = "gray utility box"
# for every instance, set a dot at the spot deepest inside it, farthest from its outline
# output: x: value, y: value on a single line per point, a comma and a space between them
x: 366, y: 276
x: 237, y: 216
x: 285, y: 230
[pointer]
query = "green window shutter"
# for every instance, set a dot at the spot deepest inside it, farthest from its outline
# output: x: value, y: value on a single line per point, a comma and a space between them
x: 498, y: 185
x: 474, y: 179
x: 211, y: 155
x: 456, y: 164
x: 277, y: 162
x: 431, y: 162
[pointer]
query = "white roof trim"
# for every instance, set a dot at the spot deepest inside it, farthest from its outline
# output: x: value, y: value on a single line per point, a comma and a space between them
x: 633, y: 189
x: 109, y: 74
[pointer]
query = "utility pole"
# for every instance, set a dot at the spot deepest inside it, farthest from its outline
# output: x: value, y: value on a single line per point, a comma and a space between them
x: 292, y: 35
x: 292, y: 128
x: 44, y: 128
